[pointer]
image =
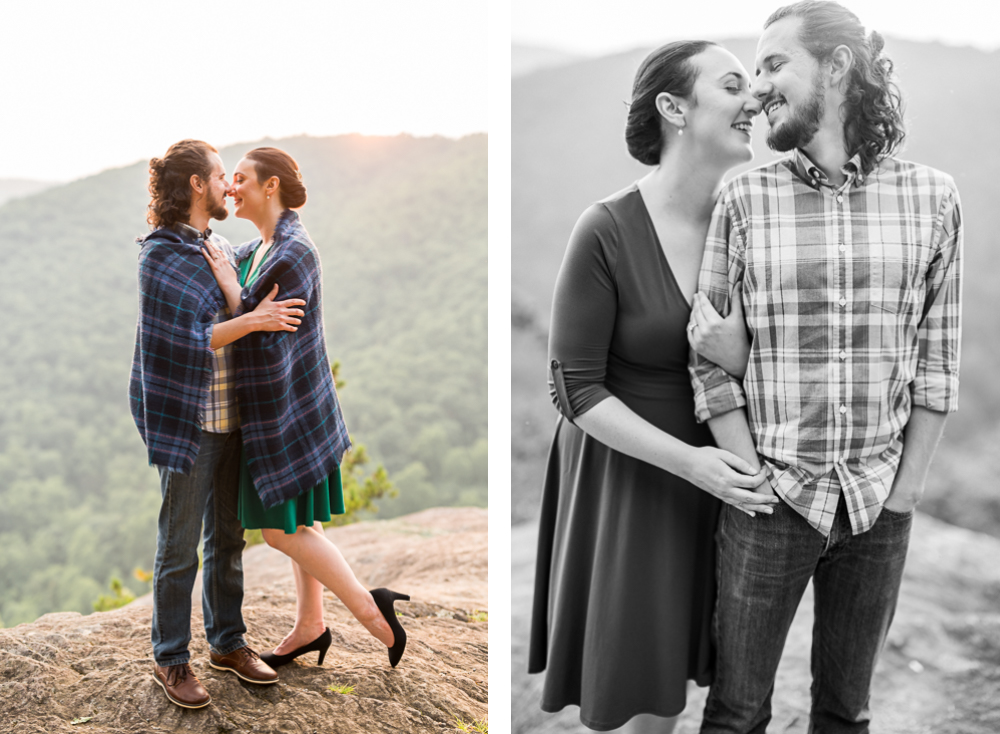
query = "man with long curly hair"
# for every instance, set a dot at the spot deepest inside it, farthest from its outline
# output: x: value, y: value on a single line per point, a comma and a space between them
x: 182, y: 396
x: 850, y: 261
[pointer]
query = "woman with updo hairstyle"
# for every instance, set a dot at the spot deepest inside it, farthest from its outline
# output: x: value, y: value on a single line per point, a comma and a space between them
x: 274, y: 163
x: 294, y: 436
x: 625, y: 581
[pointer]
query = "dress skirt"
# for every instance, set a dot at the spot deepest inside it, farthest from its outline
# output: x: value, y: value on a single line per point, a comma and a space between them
x: 317, y: 504
x: 625, y: 582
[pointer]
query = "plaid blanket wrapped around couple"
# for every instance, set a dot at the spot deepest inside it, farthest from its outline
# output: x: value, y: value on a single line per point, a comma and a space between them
x: 172, y: 365
x: 293, y: 429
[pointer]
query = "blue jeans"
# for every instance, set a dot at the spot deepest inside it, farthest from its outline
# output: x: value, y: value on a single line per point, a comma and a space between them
x: 764, y: 565
x: 208, y: 494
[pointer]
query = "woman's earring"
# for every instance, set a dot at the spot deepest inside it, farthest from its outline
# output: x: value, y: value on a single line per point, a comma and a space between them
x: 268, y: 196
x: 680, y: 131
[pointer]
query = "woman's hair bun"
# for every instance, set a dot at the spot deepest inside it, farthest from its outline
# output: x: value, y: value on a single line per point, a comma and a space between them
x: 268, y: 162
x: 667, y: 69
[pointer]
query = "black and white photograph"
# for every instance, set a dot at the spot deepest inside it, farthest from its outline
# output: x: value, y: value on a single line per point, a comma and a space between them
x: 753, y: 394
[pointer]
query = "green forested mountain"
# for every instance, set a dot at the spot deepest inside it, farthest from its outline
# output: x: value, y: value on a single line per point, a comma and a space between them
x: 401, y: 227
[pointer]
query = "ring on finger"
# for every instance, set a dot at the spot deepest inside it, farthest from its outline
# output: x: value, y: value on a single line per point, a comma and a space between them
x: 692, y: 326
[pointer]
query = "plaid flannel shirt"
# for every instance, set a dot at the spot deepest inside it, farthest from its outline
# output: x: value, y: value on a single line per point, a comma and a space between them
x: 852, y: 301
x: 221, y: 412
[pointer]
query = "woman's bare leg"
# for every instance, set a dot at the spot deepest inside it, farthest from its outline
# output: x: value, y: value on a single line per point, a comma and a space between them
x: 319, y: 558
x: 309, y: 622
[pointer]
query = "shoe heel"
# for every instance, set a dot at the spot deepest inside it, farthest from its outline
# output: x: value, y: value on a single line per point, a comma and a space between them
x: 323, y: 644
x: 384, y: 599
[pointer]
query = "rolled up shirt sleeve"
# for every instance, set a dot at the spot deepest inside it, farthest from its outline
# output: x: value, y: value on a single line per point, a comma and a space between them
x: 935, y: 385
x: 584, y: 309
x: 716, y: 392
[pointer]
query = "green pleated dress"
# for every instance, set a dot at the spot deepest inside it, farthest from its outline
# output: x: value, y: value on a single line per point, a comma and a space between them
x: 319, y: 503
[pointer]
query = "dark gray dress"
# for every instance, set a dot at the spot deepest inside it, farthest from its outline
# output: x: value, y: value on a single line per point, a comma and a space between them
x: 625, y: 579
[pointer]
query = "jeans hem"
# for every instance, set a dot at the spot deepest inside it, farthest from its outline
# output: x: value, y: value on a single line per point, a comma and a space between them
x: 232, y: 647
x: 179, y: 660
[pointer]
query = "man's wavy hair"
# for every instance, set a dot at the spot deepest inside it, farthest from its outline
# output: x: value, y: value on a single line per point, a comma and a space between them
x: 873, y: 119
x: 170, y: 181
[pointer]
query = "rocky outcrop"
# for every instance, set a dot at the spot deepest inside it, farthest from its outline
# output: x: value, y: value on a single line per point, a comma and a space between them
x: 939, y: 673
x: 64, y: 668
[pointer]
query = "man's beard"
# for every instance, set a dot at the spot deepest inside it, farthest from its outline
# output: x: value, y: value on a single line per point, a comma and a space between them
x: 799, y: 128
x: 217, y: 209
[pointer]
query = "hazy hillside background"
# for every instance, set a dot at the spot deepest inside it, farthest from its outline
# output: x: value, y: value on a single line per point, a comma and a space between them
x: 13, y: 188
x: 568, y: 151
x: 401, y: 226
x: 525, y: 59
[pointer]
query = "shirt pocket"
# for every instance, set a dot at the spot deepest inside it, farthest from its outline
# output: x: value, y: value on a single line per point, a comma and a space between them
x: 893, y: 286
x: 893, y: 293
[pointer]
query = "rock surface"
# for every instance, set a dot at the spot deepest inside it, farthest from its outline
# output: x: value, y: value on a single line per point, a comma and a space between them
x: 939, y: 673
x: 66, y: 666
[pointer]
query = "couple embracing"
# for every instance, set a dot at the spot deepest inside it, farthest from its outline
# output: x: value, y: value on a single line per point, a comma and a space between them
x: 233, y: 395
x: 689, y: 500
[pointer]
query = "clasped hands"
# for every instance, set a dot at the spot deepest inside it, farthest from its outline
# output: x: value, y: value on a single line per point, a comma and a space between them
x: 731, y: 479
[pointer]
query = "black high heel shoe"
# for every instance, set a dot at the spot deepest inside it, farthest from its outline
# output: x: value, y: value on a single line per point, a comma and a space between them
x: 383, y: 600
x: 321, y: 643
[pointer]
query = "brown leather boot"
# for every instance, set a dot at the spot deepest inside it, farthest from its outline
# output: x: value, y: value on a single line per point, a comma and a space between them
x: 181, y: 685
x: 246, y: 664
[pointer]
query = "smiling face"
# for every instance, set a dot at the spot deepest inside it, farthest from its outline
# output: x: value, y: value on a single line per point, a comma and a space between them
x: 789, y: 85
x: 215, y: 195
x: 249, y: 197
x: 720, y: 117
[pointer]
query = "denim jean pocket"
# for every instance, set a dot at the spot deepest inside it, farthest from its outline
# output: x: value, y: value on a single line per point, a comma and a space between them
x: 900, y: 515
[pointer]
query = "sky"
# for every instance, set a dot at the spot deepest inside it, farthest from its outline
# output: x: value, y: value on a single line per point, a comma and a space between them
x: 600, y: 27
x: 92, y: 85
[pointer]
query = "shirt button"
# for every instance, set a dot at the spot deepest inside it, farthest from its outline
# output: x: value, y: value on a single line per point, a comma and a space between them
x: 843, y: 302
x: 843, y: 248
x: 843, y: 355
x: 842, y: 460
x: 840, y: 198
x: 843, y: 409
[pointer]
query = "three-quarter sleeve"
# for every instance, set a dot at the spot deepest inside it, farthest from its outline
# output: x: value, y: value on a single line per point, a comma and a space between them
x: 584, y: 308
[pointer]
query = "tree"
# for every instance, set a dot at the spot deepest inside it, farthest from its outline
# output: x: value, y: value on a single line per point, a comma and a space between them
x: 360, y: 491
x: 119, y: 598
